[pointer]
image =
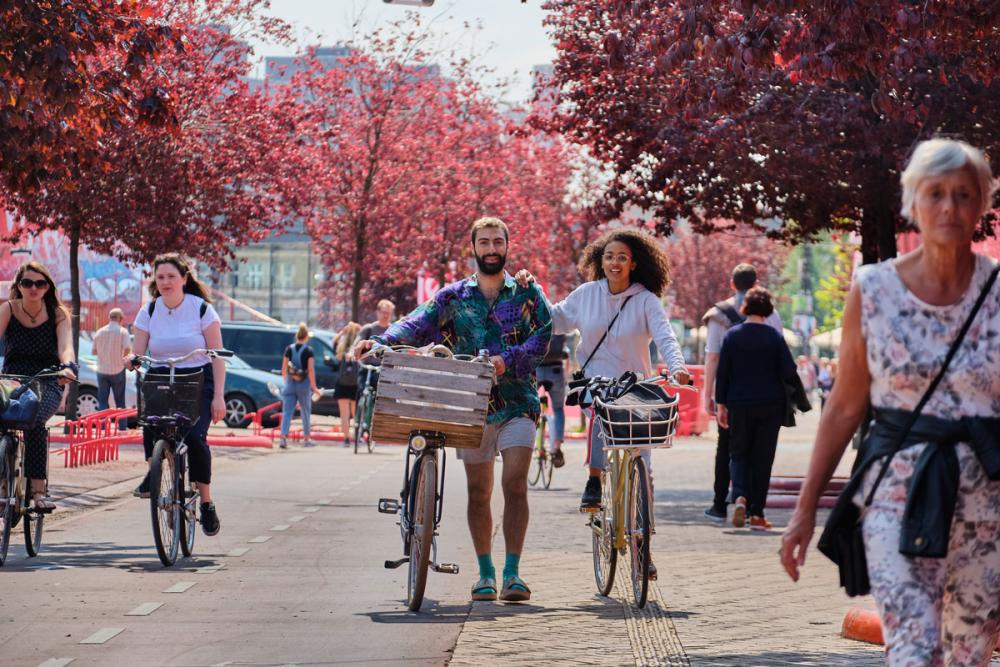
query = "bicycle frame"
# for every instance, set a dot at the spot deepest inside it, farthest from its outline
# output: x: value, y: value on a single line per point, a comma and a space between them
x: 433, y: 448
x: 619, y: 461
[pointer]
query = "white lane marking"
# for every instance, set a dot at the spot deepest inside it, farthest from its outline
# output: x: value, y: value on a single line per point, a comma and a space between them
x: 179, y: 587
x: 280, y: 527
x: 324, y: 501
x: 51, y: 566
x: 310, y: 510
x: 103, y: 635
x: 145, y: 609
x: 57, y: 662
x: 237, y: 552
x: 296, y: 518
x: 209, y: 569
x: 260, y: 539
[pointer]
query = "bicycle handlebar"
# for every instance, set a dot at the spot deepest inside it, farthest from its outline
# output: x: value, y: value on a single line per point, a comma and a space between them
x: 138, y: 359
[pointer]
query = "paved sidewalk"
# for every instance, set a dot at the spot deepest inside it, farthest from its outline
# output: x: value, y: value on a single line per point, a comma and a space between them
x: 721, y: 598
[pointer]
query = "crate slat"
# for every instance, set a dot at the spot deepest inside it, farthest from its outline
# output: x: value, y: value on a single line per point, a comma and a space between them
x: 424, y: 378
x: 397, y: 429
x: 433, y: 396
x: 398, y: 359
x: 465, y: 417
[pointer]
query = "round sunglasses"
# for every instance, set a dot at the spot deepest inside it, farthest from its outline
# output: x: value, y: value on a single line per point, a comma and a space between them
x: 28, y: 283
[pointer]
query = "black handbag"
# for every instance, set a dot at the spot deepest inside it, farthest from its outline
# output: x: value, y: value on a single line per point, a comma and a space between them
x: 578, y: 379
x: 842, y: 540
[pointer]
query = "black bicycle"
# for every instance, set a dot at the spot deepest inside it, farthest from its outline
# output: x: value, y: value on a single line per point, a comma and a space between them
x: 169, y: 404
x: 15, y: 485
x: 365, y: 409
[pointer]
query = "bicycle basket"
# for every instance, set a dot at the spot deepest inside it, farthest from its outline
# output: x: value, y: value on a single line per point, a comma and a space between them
x: 163, y: 398
x: 18, y: 405
x: 645, y: 416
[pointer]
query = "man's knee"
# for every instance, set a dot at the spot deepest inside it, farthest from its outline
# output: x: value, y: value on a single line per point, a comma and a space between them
x: 515, y: 485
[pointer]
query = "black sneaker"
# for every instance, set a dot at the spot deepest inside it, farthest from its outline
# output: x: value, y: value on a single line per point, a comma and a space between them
x: 142, y: 491
x: 209, y: 519
x: 716, y: 514
x: 558, y: 460
x: 591, y: 499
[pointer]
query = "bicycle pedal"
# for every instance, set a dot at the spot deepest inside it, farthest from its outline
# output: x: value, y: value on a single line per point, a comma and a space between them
x: 388, y: 505
x: 393, y: 564
x: 445, y: 568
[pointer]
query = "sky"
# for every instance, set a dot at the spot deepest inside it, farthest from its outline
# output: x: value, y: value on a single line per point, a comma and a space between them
x: 511, y: 41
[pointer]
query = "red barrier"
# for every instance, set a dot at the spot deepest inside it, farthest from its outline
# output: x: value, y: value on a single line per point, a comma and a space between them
x: 692, y: 418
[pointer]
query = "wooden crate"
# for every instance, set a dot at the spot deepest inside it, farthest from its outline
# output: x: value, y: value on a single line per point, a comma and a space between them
x: 417, y: 393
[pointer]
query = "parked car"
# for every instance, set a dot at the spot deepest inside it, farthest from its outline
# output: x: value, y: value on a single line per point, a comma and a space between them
x: 261, y: 345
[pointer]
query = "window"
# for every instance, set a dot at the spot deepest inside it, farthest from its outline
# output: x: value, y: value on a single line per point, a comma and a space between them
x: 253, y: 275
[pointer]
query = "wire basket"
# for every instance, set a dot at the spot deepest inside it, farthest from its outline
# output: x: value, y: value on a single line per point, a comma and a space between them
x: 645, y: 417
x: 180, y: 398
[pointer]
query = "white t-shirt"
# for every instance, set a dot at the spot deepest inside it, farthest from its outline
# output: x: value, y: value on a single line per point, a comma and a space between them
x: 174, y: 334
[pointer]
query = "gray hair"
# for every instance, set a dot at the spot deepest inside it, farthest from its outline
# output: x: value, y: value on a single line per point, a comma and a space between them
x: 116, y: 314
x: 934, y: 157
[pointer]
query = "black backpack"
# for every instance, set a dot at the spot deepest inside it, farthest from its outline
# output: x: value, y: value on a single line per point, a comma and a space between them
x: 201, y: 310
x: 730, y: 312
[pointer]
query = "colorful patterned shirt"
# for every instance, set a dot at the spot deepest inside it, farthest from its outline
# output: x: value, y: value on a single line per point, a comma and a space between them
x: 517, y: 326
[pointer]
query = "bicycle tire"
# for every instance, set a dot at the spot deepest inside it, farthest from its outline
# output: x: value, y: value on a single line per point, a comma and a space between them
x: 188, y: 517
x: 163, y: 505
x: 33, y: 524
x: 422, y: 533
x: 369, y: 411
x: 638, y: 530
x: 538, y: 462
x: 603, y: 539
x: 6, y: 479
x: 547, y: 467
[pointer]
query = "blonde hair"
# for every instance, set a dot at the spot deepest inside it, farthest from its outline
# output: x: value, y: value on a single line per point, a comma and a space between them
x: 303, y: 332
x: 345, y: 339
x: 116, y: 314
x: 935, y: 157
x: 385, y: 303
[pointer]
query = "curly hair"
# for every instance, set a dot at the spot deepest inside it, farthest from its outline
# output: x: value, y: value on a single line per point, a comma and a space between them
x: 652, y: 269
x: 757, y: 302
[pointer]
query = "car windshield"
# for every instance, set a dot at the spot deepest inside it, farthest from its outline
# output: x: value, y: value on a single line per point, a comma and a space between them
x: 236, y: 362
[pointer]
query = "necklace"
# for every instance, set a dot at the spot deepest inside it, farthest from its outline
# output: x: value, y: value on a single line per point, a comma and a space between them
x: 34, y: 317
x: 170, y: 311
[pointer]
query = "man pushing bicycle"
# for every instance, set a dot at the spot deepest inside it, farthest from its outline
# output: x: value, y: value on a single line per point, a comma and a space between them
x: 488, y: 310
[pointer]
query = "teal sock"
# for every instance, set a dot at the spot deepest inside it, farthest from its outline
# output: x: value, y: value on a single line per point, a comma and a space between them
x: 510, y: 565
x: 486, y: 569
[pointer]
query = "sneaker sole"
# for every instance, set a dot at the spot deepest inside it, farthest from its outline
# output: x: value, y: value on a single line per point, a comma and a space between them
x: 716, y: 519
x: 739, y: 516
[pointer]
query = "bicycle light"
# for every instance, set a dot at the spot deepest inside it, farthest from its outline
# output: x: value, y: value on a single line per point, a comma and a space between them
x: 418, y: 442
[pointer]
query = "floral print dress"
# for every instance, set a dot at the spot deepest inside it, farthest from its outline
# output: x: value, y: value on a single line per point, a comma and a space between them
x: 934, y: 611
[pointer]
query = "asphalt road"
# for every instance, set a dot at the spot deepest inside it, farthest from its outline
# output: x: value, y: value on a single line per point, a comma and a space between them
x: 295, y: 576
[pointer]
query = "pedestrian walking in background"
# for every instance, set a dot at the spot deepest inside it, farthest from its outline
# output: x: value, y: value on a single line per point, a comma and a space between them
x: 346, y: 389
x: 385, y: 311
x: 551, y: 373
x: 298, y: 368
x: 807, y: 374
x: 754, y: 367
x: 718, y: 320
x: 824, y: 380
x: 112, y: 343
x: 932, y: 526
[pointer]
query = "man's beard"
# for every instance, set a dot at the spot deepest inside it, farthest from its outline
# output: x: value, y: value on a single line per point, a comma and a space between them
x: 493, y: 267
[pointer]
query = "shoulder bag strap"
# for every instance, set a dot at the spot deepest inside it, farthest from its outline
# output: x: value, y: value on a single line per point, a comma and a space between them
x: 613, y: 320
x: 935, y: 382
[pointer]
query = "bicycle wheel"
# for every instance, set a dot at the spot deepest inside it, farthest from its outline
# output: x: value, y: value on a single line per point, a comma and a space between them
x: 602, y: 524
x: 424, y: 502
x: 6, y: 494
x: 369, y: 412
x: 163, y: 504
x: 547, y: 467
x: 358, y: 426
x: 188, y: 509
x: 33, y: 522
x: 638, y: 529
x: 538, y: 454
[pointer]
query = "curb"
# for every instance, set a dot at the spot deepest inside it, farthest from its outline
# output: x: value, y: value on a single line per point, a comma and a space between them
x: 863, y: 625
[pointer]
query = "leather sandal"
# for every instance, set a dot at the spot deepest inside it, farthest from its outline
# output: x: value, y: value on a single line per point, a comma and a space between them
x: 484, y: 590
x: 515, y: 590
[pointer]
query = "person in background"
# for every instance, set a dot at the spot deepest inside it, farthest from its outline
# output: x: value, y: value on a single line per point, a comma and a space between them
x: 718, y: 320
x: 346, y: 390
x: 931, y: 532
x: 385, y: 311
x: 37, y: 334
x: 551, y: 374
x: 112, y: 344
x: 807, y: 374
x: 754, y: 365
x: 824, y: 380
x: 298, y: 368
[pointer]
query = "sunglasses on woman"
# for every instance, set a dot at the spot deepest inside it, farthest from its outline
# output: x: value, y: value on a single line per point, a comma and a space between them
x: 28, y: 283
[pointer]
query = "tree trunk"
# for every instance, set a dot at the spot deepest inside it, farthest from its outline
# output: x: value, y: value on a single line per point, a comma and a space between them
x: 878, y: 222
x: 74, y: 286
x: 356, y: 294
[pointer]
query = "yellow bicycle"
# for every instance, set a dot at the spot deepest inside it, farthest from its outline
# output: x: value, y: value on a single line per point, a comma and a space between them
x: 632, y: 416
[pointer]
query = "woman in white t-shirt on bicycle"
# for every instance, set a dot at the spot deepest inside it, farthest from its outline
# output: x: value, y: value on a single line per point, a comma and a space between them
x: 179, y: 320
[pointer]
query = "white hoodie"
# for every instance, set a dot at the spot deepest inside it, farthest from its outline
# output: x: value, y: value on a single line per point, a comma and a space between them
x: 591, y: 307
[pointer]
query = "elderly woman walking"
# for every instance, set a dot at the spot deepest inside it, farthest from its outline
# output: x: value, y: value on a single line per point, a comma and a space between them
x: 932, y: 528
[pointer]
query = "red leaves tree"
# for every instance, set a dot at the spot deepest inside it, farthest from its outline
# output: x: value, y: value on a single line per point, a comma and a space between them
x: 69, y: 73
x: 792, y: 112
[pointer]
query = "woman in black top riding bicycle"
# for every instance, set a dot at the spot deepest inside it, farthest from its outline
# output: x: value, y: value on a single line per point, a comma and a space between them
x: 179, y: 320
x: 38, y: 335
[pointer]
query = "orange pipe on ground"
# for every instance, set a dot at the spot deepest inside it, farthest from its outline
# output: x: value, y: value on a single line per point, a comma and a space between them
x: 864, y: 625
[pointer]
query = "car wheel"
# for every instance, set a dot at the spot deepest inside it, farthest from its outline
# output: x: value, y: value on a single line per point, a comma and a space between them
x: 238, y: 406
x: 86, y: 401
